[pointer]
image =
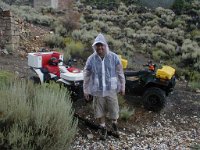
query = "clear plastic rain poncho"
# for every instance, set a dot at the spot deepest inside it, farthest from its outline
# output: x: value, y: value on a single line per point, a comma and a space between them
x: 103, y: 77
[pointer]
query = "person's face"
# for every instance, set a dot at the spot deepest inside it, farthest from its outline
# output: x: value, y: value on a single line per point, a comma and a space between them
x: 100, y: 49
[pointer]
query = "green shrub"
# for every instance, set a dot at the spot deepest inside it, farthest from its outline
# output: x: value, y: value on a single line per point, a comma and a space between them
x: 100, y: 26
x: 76, y: 35
x: 47, y: 10
x: 168, y: 49
x: 74, y: 47
x: 66, y: 53
x: 129, y: 32
x: 195, y: 146
x: 43, y: 20
x: 38, y: 117
x: 31, y: 15
x: 115, y: 44
x: 9, y: 48
x: 88, y: 36
x: 177, y: 22
x: 54, y: 40
x: 158, y: 54
x: 181, y: 5
x: 128, y: 47
x: 126, y: 113
x: 60, y: 30
x: 195, y: 33
x: 191, y: 54
x: 178, y: 5
x: 121, y: 101
x: 180, y: 72
x: 194, y: 76
x: 115, y: 31
x: 189, y: 46
x: 194, y: 85
x: 6, y: 77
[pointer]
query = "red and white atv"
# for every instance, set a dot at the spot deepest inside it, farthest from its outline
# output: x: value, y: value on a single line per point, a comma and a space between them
x: 49, y: 66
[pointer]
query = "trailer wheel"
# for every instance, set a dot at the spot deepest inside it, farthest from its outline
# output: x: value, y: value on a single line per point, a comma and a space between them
x: 35, y: 79
x: 154, y: 99
x: 76, y: 93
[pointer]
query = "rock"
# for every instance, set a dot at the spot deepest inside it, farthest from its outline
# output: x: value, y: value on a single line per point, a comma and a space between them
x: 197, y: 90
x: 111, y: 147
x: 126, y: 147
x: 17, y: 73
x: 22, y: 54
x: 36, y: 37
x: 4, y: 52
x: 90, y: 136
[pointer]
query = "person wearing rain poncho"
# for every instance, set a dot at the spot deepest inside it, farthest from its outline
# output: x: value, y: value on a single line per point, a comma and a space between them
x: 103, y: 79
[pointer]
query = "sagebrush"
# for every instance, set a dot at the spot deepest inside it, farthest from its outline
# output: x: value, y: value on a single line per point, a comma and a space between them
x: 35, y: 117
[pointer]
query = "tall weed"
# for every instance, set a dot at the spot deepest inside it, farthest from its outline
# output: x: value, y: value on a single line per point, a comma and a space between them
x: 126, y: 113
x: 6, y: 76
x: 194, y: 85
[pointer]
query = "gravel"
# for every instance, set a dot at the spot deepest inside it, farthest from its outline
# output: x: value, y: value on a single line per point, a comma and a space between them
x: 155, y: 135
x: 177, y: 127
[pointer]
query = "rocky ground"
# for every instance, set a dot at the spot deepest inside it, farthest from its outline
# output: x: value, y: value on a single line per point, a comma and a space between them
x: 177, y: 126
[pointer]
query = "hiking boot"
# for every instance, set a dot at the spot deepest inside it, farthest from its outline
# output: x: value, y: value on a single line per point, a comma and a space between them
x: 115, y: 129
x: 103, y: 133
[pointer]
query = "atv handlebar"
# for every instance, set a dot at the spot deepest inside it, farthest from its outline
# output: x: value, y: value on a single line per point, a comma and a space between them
x: 150, y: 66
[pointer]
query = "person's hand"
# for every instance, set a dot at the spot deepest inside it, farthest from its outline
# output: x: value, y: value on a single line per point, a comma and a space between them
x: 87, y: 97
x: 122, y: 92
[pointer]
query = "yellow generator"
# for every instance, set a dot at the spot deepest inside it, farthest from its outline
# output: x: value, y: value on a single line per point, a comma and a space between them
x: 166, y: 73
x: 124, y: 62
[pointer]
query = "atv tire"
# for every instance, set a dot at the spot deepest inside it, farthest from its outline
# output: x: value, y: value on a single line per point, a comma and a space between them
x: 154, y: 99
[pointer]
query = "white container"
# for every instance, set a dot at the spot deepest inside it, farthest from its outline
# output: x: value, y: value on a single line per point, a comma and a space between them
x: 34, y: 60
x: 38, y: 59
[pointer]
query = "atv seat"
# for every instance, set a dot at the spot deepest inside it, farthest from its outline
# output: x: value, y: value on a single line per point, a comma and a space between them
x: 54, y: 69
x: 131, y: 73
x: 47, y: 57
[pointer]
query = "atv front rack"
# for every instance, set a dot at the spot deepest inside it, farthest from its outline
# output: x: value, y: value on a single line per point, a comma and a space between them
x: 136, y: 73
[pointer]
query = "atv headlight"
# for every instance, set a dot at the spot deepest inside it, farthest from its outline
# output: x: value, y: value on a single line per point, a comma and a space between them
x: 75, y: 71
